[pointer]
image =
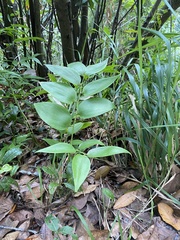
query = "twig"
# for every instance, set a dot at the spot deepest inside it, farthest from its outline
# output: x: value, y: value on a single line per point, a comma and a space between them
x: 18, y: 229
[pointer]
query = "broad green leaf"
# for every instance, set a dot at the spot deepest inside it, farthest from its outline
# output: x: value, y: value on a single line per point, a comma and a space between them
x: 52, y: 187
x: 69, y: 185
x: 67, y: 73
x: 50, y: 170
x: 51, y: 141
x: 54, y: 115
x: 67, y: 230
x: 94, y: 107
x: 10, y: 155
x: 6, y: 184
x: 86, y: 125
x: 89, y: 143
x: 5, y: 168
x: 98, y: 85
x: 61, y: 91
x: 80, y: 167
x: 52, y: 223
x: 59, y: 148
x: 96, y: 68
x: 105, y: 151
x: 76, y: 142
x: 75, y: 128
x: 22, y: 138
x: 79, y: 67
x: 78, y: 126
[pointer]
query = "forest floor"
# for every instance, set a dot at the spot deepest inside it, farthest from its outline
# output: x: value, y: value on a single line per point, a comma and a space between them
x: 113, y: 202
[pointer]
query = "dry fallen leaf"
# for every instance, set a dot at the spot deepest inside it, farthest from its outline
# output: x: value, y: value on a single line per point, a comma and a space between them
x: 173, y: 184
x: 24, y: 226
x: 129, y: 185
x: 32, y: 192
x: 175, y: 169
x: 102, y: 172
x: 125, y: 200
x: 22, y: 215
x: 100, y: 234
x: 5, y: 206
x: 97, y: 234
x: 166, y: 212
x: 146, y: 235
x: 159, y: 231
x: 80, y: 202
x: 90, y: 188
x: 45, y: 233
x: 80, y: 230
x: 11, y: 236
x: 7, y: 222
x: 36, y: 237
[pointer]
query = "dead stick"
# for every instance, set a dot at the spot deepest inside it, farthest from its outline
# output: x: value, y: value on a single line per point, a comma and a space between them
x: 18, y: 229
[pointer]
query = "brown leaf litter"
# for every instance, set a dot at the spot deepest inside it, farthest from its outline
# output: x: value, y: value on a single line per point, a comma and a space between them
x: 23, y: 210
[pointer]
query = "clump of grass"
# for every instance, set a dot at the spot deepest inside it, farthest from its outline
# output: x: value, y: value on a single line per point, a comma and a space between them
x: 151, y: 116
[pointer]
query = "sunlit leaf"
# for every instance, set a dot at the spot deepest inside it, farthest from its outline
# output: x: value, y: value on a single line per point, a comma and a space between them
x: 5, y: 168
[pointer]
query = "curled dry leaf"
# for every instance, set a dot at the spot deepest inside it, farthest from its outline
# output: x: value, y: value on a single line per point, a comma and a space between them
x: 166, y: 212
x: 125, y: 200
x: 102, y: 172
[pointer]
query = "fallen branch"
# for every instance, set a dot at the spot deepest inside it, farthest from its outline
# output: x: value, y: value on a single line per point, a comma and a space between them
x: 18, y: 229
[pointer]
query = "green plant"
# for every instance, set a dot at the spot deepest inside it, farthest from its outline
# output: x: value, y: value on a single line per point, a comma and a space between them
x: 54, y: 225
x: 152, y: 118
x: 8, y: 164
x: 14, y: 101
x: 73, y: 102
